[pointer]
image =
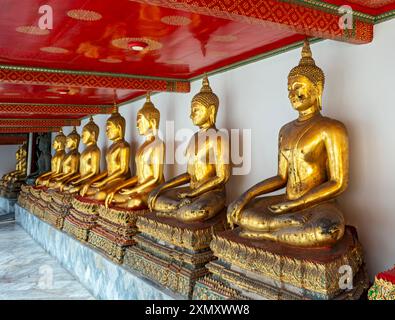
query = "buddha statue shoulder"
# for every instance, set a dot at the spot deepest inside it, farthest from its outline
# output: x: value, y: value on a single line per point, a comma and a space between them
x: 312, y: 166
x: 20, y: 166
x: 199, y: 194
x: 117, y: 160
x: 89, y: 160
x: 133, y: 193
x: 70, y: 164
x: 59, y: 145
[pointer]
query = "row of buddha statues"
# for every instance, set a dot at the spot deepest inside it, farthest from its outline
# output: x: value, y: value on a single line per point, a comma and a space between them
x: 188, y: 214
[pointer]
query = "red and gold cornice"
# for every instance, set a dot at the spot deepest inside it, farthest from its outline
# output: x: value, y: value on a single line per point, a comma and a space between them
x: 302, y: 16
x: 57, y: 77
x: 28, y: 129
x: 54, y: 109
x: 21, y: 123
x: 12, y: 139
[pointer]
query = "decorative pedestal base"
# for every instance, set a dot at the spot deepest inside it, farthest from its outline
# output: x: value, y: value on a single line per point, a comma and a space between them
x: 103, y: 278
x: 173, y: 253
x: 58, y: 209
x: 82, y: 217
x: 384, y: 286
x: 248, y: 269
x: 114, y: 231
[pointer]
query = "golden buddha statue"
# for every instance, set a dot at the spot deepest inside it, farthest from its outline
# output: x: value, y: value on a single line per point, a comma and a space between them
x: 20, y: 166
x: 89, y: 160
x: 207, y: 172
x: 133, y: 193
x: 312, y: 166
x: 70, y: 162
x: 117, y: 159
x: 59, y: 145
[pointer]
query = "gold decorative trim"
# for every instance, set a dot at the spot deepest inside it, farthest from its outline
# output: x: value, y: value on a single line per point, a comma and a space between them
x: 112, y: 250
x: 121, y: 217
x: 110, y: 60
x: 224, y: 38
x: 84, y: 15
x: 382, y: 290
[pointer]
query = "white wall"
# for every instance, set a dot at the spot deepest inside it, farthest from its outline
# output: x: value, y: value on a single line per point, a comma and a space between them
x: 7, y: 158
x: 359, y: 92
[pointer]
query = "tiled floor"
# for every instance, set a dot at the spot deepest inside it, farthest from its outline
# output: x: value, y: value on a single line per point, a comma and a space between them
x: 28, y: 272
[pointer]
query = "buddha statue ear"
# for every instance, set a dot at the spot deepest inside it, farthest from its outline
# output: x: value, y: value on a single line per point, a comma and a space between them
x: 212, y: 111
x: 319, y: 88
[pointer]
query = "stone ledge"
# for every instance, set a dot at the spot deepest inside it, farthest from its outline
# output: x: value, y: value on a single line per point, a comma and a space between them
x: 102, y: 277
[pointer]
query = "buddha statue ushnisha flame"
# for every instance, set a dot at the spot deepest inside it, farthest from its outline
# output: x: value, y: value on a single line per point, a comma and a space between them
x: 312, y: 165
x: 89, y: 159
x: 133, y: 193
x: 117, y: 160
x: 208, y: 168
x: 70, y: 162
x: 59, y: 145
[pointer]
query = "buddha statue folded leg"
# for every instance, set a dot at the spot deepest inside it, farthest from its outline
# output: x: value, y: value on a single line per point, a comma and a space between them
x: 194, y: 209
x: 320, y: 225
x: 101, y: 193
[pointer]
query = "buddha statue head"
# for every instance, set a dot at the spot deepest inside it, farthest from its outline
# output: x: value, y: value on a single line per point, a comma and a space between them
x: 204, y: 106
x: 59, y: 143
x: 115, y: 126
x: 306, y: 82
x: 73, y: 140
x: 148, y: 118
x: 90, y: 132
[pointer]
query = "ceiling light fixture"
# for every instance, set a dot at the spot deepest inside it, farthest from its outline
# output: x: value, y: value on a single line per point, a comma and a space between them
x: 137, y: 45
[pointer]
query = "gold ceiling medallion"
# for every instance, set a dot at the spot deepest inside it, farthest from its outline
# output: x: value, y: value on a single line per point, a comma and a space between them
x: 34, y: 30
x: 123, y: 43
x: 110, y: 60
x: 54, y: 50
x: 84, y: 15
x: 224, y: 38
x: 176, y: 20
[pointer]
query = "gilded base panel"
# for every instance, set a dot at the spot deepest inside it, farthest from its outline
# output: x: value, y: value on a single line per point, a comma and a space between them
x: 58, y: 209
x: 170, y: 275
x: 82, y: 217
x: 312, y: 273
x: 114, y: 231
x: 193, y: 236
x: 233, y: 285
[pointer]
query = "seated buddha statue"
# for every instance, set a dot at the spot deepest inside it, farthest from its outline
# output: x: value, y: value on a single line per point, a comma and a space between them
x: 312, y: 166
x: 117, y: 160
x: 208, y: 168
x: 70, y: 164
x: 20, y: 166
x: 59, y: 145
x: 89, y: 160
x: 133, y: 193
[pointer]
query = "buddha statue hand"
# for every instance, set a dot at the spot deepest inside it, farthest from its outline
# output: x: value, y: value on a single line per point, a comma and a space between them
x: 184, y: 195
x: 234, y: 211
x: 286, y: 206
x: 152, y: 197
x: 84, y: 189
x: 109, y: 198
x: 128, y: 192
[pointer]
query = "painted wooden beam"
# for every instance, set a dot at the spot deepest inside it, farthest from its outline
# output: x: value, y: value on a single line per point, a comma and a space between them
x: 55, y: 109
x: 20, y: 123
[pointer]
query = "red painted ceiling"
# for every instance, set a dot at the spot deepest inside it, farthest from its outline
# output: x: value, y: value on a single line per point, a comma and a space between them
x: 184, y: 45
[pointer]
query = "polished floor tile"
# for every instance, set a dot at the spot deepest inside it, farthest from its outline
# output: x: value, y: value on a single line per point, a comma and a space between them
x: 28, y: 272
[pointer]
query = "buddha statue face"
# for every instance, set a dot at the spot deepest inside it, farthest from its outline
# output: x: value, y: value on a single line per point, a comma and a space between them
x: 115, y: 127
x: 73, y: 140
x: 144, y: 126
x: 148, y: 118
x: 59, y: 143
x: 202, y: 115
x: 303, y: 93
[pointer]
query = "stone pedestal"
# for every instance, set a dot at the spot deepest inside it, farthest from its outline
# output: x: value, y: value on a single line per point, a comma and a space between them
x: 173, y: 253
x: 261, y: 269
x: 114, y: 231
x: 82, y: 217
x: 7, y: 206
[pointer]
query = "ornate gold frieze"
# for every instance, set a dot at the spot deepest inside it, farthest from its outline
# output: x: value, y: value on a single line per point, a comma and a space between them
x: 317, y: 275
x: 87, y: 207
x: 122, y: 217
x: 110, y: 248
x: 73, y: 229
x: 189, y: 236
x: 382, y: 290
x: 208, y: 288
